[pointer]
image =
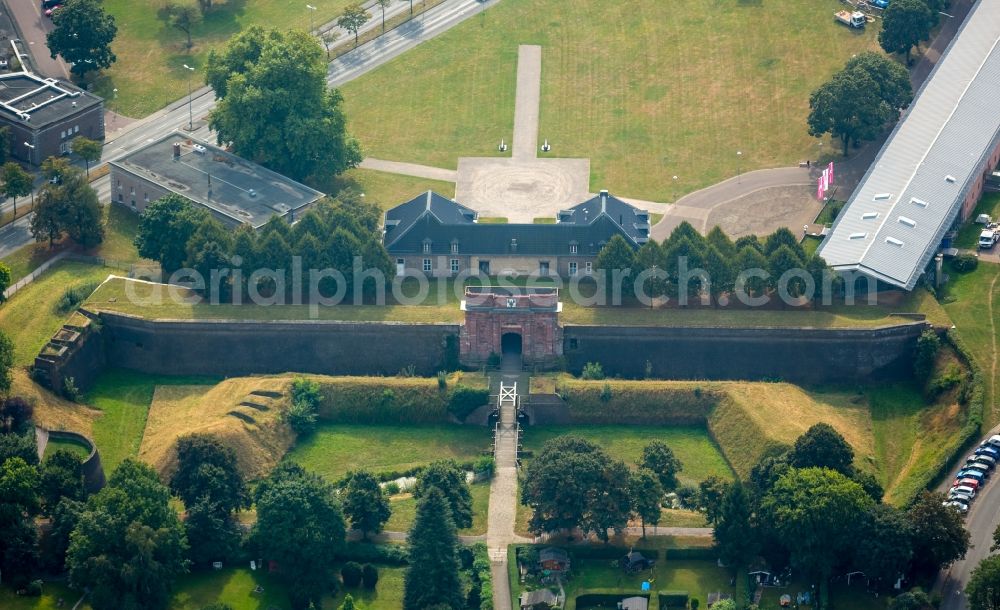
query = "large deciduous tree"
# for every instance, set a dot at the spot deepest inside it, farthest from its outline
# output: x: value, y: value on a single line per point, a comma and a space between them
x: 432, y: 580
x: 128, y: 545
x: 19, y: 504
x: 573, y: 483
x: 939, y: 534
x: 62, y: 477
x: 848, y: 107
x: 365, y: 503
x: 893, y: 80
x: 68, y: 205
x: 165, y: 227
x: 83, y: 34
x: 300, y: 527
x: 821, y: 446
x: 88, y: 150
x: 983, y: 589
x: 905, y: 24
x: 816, y: 514
x: 646, y: 494
x: 274, y: 105
x: 16, y: 182
x: 660, y: 459
x: 447, y: 477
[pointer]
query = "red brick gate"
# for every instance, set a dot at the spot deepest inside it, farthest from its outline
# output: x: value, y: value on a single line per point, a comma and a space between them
x: 497, y: 318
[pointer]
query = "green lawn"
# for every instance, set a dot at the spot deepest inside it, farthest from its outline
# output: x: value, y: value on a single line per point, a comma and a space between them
x: 124, y: 398
x: 30, y: 318
x: 719, y: 77
x: 699, y: 456
x: 385, y: 189
x: 404, y: 511
x: 973, y: 302
x: 150, y: 72
x: 235, y: 586
x: 63, y: 444
x: 52, y: 592
x: 336, y: 449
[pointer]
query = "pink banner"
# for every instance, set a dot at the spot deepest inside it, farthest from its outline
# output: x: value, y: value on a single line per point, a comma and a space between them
x: 830, y: 169
x: 819, y: 189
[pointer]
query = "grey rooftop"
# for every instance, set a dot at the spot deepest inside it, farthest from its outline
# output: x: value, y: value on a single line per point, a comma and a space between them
x: 913, y: 192
x: 221, y: 181
x: 36, y: 101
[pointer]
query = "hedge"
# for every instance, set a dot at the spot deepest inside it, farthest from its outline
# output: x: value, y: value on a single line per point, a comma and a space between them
x: 673, y: 599
x: 603, y: 551
x: 700, y: 553
x: 395, y: 400
x: 637, y: 402
x: 367, y: 552
x: 603, y: 597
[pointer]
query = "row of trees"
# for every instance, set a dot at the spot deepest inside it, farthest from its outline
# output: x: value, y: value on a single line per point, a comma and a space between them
x: 573, y: 483
x: 179, y: 235
x: 680, y: 259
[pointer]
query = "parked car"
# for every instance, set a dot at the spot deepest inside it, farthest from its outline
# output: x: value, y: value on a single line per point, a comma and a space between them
x: 967, y: 482
x: 882, y: 4
x: 964, y: 489
x: 970, y: 473
x: 49, y: 12
x: 994, y: 440
x: 984, y: 458
x: 50, y: 3
x: 985, y: 467
x: 987, y: 449
x: 964, y: 497
x: 959, y: 506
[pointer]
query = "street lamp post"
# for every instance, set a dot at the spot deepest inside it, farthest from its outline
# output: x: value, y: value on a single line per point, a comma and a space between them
x: 31, y: 157
x: 114, y: 110
x: 190, y: 111
x: 312, y: 12
x: 739, y: 158
x: 675, y: 189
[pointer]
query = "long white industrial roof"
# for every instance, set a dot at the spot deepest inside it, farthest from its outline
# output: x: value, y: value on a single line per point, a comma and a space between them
x: 912, y: 193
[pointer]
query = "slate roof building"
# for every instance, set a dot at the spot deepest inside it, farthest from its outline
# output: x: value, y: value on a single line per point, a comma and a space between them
x: 436, y: 236
x: 44, y: 115
x: 234, y: 190
x: 931, y: 171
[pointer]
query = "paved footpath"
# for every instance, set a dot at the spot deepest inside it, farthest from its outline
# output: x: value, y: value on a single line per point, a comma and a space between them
x: 526, y: 102
x: 410, y: 169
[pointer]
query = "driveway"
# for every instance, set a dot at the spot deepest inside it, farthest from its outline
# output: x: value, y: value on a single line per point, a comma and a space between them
x: 33, y: 27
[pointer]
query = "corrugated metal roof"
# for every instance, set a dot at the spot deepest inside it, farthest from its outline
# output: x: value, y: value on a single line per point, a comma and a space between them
x: 912, y: 194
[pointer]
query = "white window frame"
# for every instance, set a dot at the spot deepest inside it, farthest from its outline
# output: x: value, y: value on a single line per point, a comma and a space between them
x: 572, y: 268
x: 454, y: 265
x: 572, y: 249
x: 427, y: 266
x: 427, y: 247
x: 544, y: 268
x: 589, y: 268
x: 454, y: 248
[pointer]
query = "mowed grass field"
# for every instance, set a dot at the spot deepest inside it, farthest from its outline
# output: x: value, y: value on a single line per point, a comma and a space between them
x: 149, y: 73
x: 385, y: 189
x: 693, y: 446
x: 645, y: 90
x: 336, y: 449
x: 124, y: 397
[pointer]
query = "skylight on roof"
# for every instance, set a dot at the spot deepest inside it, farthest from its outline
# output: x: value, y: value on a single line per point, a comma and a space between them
x: 869, y: 216
x: 919, y: 202
x: 857, y: 236
x: 907, y: 221
x: 882, y: 196
x: 893, y: 241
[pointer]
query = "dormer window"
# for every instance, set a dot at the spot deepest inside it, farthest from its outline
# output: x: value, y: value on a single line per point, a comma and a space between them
x: 513, y: 244
x: 572, y: 248
x: 427, y: 247
x: 454, y: 247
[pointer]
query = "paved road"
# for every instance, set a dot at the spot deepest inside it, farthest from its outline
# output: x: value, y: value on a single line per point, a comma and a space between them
x: 33, y: 28
x: 527, y: 101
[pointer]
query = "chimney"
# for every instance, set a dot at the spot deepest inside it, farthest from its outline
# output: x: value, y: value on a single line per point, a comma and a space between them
x: 177, y: 150
x: 604, y: 197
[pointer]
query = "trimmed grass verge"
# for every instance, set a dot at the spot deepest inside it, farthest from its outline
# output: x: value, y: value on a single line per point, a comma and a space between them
x: 404, y: 511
